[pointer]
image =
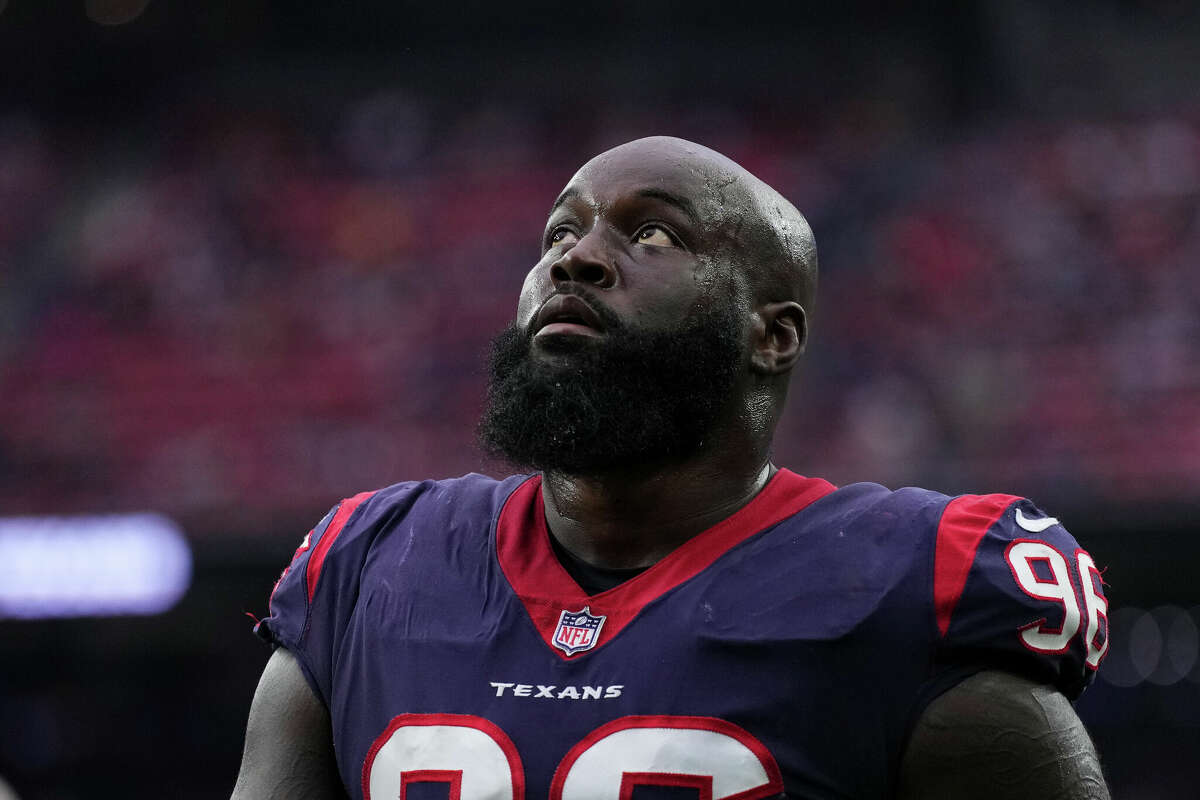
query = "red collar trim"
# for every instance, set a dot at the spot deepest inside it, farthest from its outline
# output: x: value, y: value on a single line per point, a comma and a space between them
x: 546, y: 590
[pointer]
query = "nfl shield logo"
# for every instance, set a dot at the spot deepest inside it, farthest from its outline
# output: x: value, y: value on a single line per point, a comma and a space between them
x: 577, y: 631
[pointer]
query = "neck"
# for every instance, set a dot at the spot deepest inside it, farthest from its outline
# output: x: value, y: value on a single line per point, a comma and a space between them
x: 634, y: 518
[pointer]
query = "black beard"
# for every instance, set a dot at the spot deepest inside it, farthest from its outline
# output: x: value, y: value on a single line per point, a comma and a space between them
x: 632, y: 398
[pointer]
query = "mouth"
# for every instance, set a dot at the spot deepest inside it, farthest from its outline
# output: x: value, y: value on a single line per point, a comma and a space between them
x: 566, y: 315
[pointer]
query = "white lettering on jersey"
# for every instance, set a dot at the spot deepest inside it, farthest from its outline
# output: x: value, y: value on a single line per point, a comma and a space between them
x: 554, y: 692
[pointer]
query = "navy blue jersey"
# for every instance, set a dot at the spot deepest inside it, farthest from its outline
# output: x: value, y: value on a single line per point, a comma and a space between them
x: 786, y: 651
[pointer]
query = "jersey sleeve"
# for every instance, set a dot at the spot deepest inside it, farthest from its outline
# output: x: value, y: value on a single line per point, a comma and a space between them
x: 1013, y: 590
x: 313, y: 599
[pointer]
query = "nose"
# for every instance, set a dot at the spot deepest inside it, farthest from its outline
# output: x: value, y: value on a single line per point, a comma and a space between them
x: 588, y: 261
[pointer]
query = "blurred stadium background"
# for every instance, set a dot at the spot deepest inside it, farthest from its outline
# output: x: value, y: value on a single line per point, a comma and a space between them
x: 251, y: 256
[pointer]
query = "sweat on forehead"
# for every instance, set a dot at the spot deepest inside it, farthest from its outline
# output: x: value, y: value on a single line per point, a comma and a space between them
x: 768, y: 235
x: 705, y: 173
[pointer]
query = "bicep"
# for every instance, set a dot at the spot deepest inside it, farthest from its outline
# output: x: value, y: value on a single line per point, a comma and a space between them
x: 997, y: 736
x: 289, y: 742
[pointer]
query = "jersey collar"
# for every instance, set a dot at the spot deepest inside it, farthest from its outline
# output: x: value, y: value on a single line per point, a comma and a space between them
x: 547, y: 591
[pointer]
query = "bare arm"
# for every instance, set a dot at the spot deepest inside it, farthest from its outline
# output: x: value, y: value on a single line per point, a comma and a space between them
x: 289, y: 743
x: 996, y: 736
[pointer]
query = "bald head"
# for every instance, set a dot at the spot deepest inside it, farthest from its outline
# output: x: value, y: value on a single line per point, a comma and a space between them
x: 662, y: 321
x: 770, y: 241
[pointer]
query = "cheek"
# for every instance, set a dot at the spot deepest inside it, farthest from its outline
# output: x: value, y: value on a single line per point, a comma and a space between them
x: 661, y: 306
x: 532, y: 292
x: 675, y: 295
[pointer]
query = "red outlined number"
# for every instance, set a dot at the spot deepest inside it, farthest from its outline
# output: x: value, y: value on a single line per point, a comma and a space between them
x: 703, y: 784
x: 1023, y: 556
x: 1097, y: 610
x: 717, y: 757
x: 451, y: 777
x: 474, y: 757
x: 479, y: 762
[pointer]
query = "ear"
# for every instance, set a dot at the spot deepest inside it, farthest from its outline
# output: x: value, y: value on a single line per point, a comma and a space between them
x: 780, y: 335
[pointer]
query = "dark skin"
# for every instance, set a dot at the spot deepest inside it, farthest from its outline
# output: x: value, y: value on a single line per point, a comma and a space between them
x: 619, y: 231
x: 657, y: 229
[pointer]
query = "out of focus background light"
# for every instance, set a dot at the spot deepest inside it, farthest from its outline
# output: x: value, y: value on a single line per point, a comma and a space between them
x: 82, y: 566
x: 1160, y: 646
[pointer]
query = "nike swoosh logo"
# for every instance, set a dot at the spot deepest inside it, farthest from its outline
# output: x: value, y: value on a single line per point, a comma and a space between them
x: 1035, y: 525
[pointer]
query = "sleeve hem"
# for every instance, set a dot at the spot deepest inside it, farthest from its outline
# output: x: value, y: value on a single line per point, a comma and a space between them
x: 265, y: 632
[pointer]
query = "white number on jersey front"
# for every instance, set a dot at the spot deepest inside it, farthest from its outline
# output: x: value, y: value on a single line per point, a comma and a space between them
x: 470, y: 755
x: 1022, y: 555
x: 711, y: 755
x: 475, y: 760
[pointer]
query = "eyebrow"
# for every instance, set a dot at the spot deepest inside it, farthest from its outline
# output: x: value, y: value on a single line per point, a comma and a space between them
x: 679, y: 201
x: 670, y: 198
x: 567, y: 194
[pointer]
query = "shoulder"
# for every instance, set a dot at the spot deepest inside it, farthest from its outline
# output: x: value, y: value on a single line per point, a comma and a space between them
x: 864, y: 533
x: 987, y: 579
x: 396, y: 514
x: 473, y: 490
x: 954, y: 527
x: 332, y: 554
x: 817, y: 502
x: 866, y: 500
x: 874, y: 518
x: 854, y: 559
x: 469, y: 497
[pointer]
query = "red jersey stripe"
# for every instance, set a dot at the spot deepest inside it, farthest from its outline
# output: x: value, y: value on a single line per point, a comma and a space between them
x: 964, y: 523
x: 312, y: 572
x: 546, y: 590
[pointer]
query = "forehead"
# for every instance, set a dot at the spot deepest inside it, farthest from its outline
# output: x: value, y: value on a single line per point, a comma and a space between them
x: 646, y: 164
x: 643, y: 169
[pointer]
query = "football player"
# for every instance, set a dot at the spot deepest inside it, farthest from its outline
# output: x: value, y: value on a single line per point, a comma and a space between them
x: 656, y: 609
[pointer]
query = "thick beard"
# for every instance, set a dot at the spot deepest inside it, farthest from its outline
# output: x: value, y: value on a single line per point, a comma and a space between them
x: 630, y: 399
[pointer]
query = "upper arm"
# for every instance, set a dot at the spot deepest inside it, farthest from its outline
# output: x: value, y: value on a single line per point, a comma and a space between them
x: 996, y: 736
x: 289, y: 742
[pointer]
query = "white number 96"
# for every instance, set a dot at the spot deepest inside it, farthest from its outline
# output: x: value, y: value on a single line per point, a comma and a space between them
x: 1021, y: 555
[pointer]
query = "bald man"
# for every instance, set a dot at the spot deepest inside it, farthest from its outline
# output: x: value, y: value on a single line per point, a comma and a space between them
x: 656, y: 610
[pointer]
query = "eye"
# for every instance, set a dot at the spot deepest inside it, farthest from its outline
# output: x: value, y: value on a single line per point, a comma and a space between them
x: 561, y: 235
x: 656, y: 236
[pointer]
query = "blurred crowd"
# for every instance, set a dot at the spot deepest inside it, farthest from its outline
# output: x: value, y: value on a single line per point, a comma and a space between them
x: 227, y: 307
